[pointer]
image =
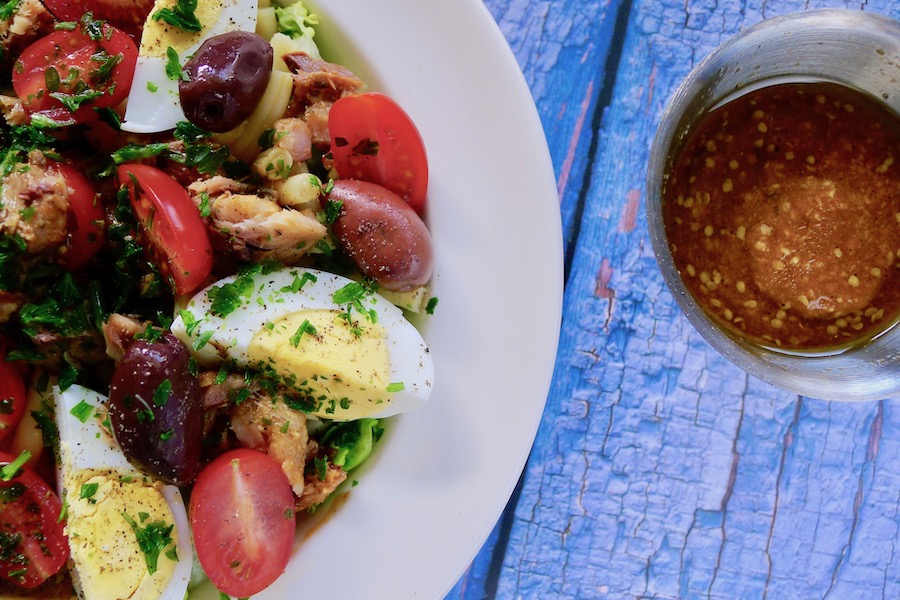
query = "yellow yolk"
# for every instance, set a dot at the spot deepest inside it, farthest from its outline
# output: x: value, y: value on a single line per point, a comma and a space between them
x: 343, y: 367
x: 110, y: 563
x: 159, y: 35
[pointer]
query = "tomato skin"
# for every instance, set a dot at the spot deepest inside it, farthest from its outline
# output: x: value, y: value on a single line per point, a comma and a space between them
x: 129, y: 17
x: 86, y: 218
x: 65, y: 51
x: 242, y: 516
x: 173, y: 224
x: 12, y: 397
x: 30, y: 508
x: 374, y: 140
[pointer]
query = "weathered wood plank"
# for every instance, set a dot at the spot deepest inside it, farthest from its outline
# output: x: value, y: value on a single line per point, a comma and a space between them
x: 544, y: 34
x: 661, y: 470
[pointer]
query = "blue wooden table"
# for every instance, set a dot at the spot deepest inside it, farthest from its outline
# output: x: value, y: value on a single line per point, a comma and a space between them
x: 660, y: 470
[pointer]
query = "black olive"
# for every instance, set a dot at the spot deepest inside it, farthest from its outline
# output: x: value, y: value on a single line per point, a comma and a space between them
x: 225, y: 80
x: 156, y: 411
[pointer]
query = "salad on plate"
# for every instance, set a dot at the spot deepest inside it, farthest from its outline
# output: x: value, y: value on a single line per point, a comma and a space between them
x: 211, y: 240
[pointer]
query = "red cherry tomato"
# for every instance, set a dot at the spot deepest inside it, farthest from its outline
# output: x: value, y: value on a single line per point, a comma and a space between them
x: 127, y: 16
x: 173, y: 224
x: 33, y: 543
x: 12, y: 397
x: 374, y: 140
x: 65, y: 75
x: 86, y: 218
x: 242, y: 516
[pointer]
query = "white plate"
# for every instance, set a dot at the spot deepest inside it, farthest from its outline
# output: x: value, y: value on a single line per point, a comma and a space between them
x: 443, y: 475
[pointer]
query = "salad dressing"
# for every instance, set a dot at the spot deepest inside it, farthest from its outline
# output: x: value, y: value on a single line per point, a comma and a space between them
x: 783, y: 215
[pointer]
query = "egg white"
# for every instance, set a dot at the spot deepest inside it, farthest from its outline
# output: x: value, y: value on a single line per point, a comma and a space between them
x: 153, y: 103
x: 85, y: 445
x: 273, y: 296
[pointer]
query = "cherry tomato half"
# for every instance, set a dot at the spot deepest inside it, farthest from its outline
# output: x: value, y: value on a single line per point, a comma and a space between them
x: 374, y: 140
x: 66, y: 74
x: 172, y: 223
x: 12, y: 397
x: 32, y: 535
x: 86, y: 218
x: 128, y: 16
x: 242, y: 516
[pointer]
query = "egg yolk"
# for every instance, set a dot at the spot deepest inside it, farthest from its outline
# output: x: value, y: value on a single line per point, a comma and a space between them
x: 158, y: 35
x: 109, y: 560
x: 340, y: 365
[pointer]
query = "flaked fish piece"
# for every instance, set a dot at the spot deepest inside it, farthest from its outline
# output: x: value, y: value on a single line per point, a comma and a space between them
x: 255, y: 227
x: 35, y: 205
x: 276, y: 429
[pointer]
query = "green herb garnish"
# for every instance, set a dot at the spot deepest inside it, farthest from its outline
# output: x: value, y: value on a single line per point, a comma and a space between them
x: 152, y: 539
x: 162, y: 392
x: 12, y: 469
x: 82, y: 411
x: 88, y: 490
x: 305, y: 327
x: 173, y: 64
x: 181, y: 16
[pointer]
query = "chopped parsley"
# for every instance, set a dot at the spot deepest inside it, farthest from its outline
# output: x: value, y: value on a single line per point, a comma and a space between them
x: 67, y: 377
x: 205, y: 209
x: 332, y: 211
x: 201, y: 341
x: 162, y: 392
x: 221, y: 375
x: 82, y: 411
x: 47, y: 424
x: 298, y: 282
x: 182, y: 16
x: 88, y: 490
x: 187, y: 132
x: 8, y: 8
x: 321, y: 465
x: 305, y: 327
x: 153, y: 539
x: 227, y: 298
x: 173, y: 64
x: 12, y: 492
x: 190, y: 321
x: 432, y: 304
x: 133, y: 152
x: 12, y: 469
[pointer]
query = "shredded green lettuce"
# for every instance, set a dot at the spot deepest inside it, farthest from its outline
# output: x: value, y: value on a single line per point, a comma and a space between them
x: 297, y: 22
x: 353, y: 441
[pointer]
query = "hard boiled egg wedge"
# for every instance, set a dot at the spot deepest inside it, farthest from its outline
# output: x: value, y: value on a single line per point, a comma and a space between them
x: 153, y: 103
x: 112, y: 509
x: 342, y: 351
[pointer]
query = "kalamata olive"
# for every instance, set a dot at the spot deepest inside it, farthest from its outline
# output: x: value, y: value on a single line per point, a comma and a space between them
x: 225, y: 80
x: 382, y: 234
x: 156, y: 411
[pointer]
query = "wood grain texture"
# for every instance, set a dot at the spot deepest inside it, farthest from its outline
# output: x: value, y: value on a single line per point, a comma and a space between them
x: 661, y: 470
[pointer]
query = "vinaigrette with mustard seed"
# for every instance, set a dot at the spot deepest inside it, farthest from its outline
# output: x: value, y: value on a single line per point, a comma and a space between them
x: 782, y: 211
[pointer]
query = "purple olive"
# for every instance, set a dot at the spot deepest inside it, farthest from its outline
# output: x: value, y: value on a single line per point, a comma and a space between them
x: 156, y: 411
x: 225, y: 80
x: 382, y: 234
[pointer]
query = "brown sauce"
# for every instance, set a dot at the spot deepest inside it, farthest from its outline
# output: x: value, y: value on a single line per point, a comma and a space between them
x: 782, y: 211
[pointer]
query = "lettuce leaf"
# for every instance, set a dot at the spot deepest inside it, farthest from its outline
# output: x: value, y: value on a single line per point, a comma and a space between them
x: 296, y: 21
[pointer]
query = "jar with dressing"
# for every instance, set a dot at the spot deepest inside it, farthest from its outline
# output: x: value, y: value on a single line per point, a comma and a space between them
x: 773, y: 200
